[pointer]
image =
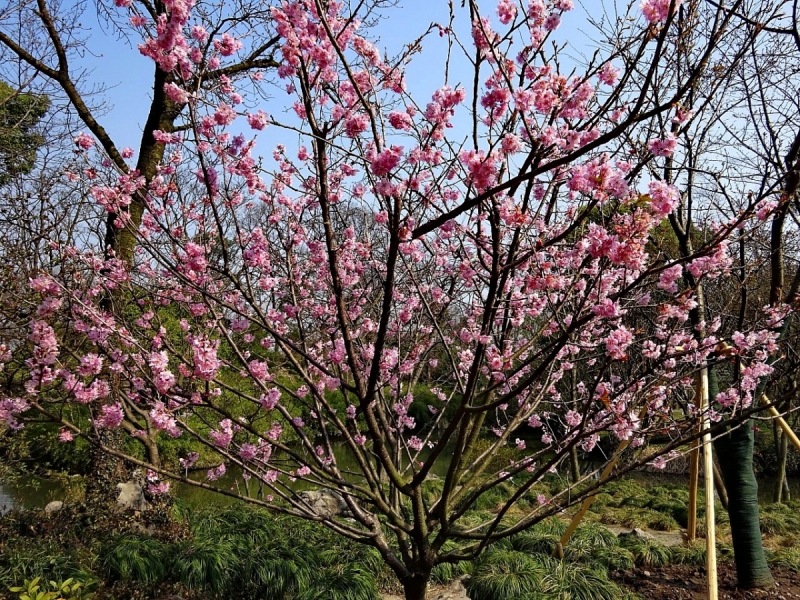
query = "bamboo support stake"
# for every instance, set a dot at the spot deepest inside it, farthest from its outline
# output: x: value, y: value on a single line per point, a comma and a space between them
x: 783, y: 425
x: 694, y: 469
x: 708, y: 476
x: 586, y: 505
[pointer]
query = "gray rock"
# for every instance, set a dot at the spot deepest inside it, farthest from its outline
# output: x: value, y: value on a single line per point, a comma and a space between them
x: 53, y: 507
x: 325, y: 503
x: 131, y: 496
x: 638, y: 533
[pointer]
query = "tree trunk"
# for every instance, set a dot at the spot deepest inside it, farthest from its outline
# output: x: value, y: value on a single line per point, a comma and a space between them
x: 575, y: 464
x: 735, y: 452
x: 782, y: 450
x: 107, y: 471
x: 719, y: 485
x: 415, y: 586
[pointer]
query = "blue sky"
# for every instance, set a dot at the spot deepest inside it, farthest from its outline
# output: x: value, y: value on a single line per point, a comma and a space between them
x: 127, y: 75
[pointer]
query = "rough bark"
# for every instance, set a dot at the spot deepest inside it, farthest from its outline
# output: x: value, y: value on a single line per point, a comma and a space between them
x: 415, y: 586
x: 782, y: 450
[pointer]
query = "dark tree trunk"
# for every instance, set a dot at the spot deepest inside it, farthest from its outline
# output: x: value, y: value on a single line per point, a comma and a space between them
x: 107, y: 471
x: 719, y: 485
x: 575, y: 464
x: 782, y: 449
x: 415, y: 586
x: 735, y: 452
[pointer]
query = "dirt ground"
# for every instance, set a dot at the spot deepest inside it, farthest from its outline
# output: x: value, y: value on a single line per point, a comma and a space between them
x: 680, y: 582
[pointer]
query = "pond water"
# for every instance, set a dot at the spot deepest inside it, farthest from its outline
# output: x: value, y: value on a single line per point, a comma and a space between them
x: 35, y: 492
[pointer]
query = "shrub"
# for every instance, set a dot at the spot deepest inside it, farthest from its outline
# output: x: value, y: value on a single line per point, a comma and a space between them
x: 204, y: 564
x: 505, y: 575
x: 135, y: 557
x: 614, y: 558
x: 646, y: 552
x: 692, y: 554
x: 788, y: 558
x: 26, y: 559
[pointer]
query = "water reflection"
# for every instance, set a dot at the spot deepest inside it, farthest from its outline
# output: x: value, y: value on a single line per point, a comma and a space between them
x: 30, y: 491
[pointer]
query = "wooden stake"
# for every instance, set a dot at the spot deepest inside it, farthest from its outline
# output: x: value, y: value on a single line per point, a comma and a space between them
x: 784, y: 425
x: 576, y: 520
x: 694, y: 469
x: 586, y: 505
x: 708, y: 476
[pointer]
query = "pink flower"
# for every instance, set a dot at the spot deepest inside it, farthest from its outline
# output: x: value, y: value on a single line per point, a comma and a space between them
x: 164, y: 421
x: 248, y: 451
x: 657, y: 11
x: 664, y: 198
x: 573, y: 418
x: 415, y: 443
x: 765, y: 208
x: 111, y: 416
x: 175, y: 93
x: 225, y: 115
x: 158, y: 488
x: 617, y: 342
x: 400, y: 120
x: 668, y: 279
x: 258, y: 369
x: 199, y: 33
x: 228, y: 45
x: 224, y: 435
x: 664, y: 147
x: 608, y: 74
x: 387, y: 160
x: 506, y: 10
x: 127, y: 152
x: 270, y: 399
x: 355, y: 125
x: 65, y: 435
x: 216, y: 472
x: 482, y: 169
x: 204, y: 353
x: 552, y: 22
x: 84, y: 141
x: 45, y: 284
x: 195, y: 257
x: 258, y: 120
x: 91, y: 364
x: 188, y: 462
x: 511, y: 143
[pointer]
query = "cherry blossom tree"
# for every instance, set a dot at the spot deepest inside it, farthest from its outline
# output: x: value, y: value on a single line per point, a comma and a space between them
x: 464, y: 250
x: 743, y: 152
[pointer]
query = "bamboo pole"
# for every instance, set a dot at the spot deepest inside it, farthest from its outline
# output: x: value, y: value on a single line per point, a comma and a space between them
x: 708, y: 476
x: 694, y: 469
x: 784, y: 425
x: 586, y: 505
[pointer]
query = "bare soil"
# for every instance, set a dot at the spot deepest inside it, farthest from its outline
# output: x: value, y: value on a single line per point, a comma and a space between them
x: 682, y: 582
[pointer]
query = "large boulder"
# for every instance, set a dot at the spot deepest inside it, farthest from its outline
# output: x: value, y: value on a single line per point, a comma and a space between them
x: 131, y: 496
x: 325, y: 503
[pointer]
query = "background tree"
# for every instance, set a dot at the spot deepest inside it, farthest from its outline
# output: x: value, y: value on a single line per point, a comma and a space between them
x: 20, y: 112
